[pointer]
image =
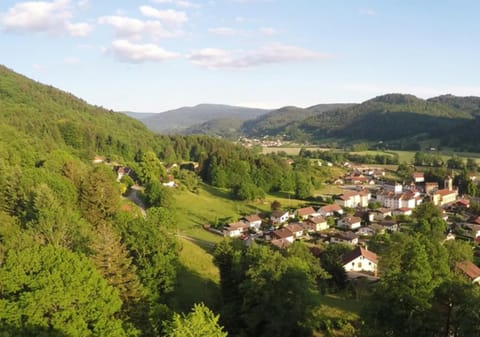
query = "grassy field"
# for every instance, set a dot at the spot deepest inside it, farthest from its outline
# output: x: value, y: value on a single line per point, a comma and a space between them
x: 198, y: 277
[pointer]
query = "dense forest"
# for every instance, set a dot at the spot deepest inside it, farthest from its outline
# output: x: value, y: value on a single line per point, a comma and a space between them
x: 77, y: 259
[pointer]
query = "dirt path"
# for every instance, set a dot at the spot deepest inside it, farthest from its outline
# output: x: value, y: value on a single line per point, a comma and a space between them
x: 133, y: 196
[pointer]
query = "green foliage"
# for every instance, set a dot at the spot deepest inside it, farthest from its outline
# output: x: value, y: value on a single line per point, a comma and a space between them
x: 200, y: 322
x: 51, y: 287
x: 258, y: 281
x: 99, y: 197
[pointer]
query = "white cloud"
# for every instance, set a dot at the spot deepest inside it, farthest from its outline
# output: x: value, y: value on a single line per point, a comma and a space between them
x: 169, y: 16
x: 273, y: 53
x: 223, y: 31
x: 83, y: 3
x: 79, y: 29
x: 137, y: 53
x: 71, y: 60
x: 134, y: 29
x: 179, y: 3
x: 42, y: 16
x: 367, y: 12
x: 268, y: 31
x: 239, y: 19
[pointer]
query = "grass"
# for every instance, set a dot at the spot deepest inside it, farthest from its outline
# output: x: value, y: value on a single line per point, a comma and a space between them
x: 213, y: 205
x: 198, y: 278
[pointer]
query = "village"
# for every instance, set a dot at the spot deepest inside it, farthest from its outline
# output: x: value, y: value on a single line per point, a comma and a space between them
x: 367, y: 206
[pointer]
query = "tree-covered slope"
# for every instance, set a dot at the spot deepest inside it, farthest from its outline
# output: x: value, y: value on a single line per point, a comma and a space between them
x: 50, y: 118
x: 468, y: 103
x: 278, y: 121
x: 387, y: 117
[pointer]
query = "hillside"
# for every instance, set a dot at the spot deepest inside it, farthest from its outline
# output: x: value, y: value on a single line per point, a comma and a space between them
x: 470, y: 104
x: 228, y: 128
x: 278, y: 121
x: 176, y: 121
x: 48, y: 118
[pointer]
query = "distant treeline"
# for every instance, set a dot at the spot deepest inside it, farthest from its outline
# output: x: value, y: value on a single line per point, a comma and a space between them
x: 337, y: 157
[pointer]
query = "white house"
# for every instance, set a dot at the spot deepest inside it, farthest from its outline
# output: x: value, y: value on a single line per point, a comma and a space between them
x: 350, y: 222
x: 279, y: 216
x: 352, y: 199
x: 330, y: 210
x: 296, y: 229
x: 253, y: 220
x: 235, y: 229
x: 408, y: 199
x: 418, y: 177
x: 360, y: 260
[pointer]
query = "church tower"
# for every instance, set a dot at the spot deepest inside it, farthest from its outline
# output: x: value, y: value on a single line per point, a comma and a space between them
x: 448, y: 183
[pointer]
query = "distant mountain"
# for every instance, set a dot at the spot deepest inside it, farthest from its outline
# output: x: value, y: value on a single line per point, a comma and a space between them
x: 178, y: 120
x: 139, y: 115
x: 279, y: 121
x: 229, y: 128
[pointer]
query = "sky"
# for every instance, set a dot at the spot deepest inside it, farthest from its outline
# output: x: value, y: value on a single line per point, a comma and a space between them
x: 155, y: 55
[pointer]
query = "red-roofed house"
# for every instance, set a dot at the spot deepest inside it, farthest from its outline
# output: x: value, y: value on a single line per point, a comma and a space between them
x: 418, y: 177
x: 330, y: 210
x: 444, y: 197
x: 470, y: 270
x: 360, y: 260
x: 283, y: 234
x: 253, y: 220
x: 305, y: 213
x: 296, y: 230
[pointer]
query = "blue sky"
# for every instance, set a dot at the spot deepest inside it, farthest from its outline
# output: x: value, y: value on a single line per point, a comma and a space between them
x: 154, y: 55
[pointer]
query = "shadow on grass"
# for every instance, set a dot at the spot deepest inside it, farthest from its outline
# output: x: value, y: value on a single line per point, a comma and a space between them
x: 218, y: 192
x: 206, y: 245
x: 192, y: 288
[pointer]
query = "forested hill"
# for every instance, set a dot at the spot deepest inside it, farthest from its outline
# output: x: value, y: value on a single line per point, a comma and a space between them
x: 176, y: 121
x: 394, y: 118
x: 48, y: 118
x: 285, y: 119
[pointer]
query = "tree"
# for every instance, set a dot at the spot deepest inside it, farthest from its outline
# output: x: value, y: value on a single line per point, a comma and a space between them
x: 55, y: 288
x: 159, y: 195
x: 251, y: 281
x: 303, y: 187
x: 401, y: 301
x: 113, y: 262
x: 275, y: 205
x: 200, y: 322
x: 99, y: 198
